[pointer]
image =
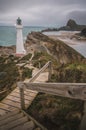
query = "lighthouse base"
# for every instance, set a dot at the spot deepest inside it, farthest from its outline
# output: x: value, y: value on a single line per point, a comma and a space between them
x: 19, y: 55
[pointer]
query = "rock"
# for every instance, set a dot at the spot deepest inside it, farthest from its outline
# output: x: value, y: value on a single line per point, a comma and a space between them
x: 72, y: 24
x: 83, y: 32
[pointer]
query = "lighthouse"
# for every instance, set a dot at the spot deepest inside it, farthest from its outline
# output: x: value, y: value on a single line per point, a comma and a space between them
x: 19, y: 41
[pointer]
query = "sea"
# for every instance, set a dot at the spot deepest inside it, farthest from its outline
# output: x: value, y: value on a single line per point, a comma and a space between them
x: 8, y: 34
x: 8, y: 37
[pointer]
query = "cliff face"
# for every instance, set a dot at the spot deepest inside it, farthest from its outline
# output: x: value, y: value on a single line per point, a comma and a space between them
x: 59, y: 50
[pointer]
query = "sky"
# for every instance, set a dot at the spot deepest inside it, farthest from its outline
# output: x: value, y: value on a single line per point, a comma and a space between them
x: 42, y: 12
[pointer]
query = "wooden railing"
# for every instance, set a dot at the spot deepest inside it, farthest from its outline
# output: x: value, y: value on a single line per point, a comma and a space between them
x: 70, y: 90
x: 21, y: 84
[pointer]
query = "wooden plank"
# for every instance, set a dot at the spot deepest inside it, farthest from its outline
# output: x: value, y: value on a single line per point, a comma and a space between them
x: 11, y: 103
x: 10, y: 119
x: 25, y: 96
x: 26, y: 102
x: 9, y: 114
x: 16, y: 99
x: 26, y: 91
x: 13, y: 124
x: 71, y: 90
x: 12, y: 98
x: 2, y: 112
x: 6, y: 107
x: 27, y: 126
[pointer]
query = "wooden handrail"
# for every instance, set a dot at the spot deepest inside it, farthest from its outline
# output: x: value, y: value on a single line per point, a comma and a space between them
x: 71, y: 90
x: 48, y: 64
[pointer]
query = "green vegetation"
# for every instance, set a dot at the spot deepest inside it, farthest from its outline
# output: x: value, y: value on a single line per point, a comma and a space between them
x: 57, y: 112
x: 27, y: 57
x: 70, y: 73
x: 9, y: 74
x: 43, y: 58
x: 53, y: 111
x: 26, y: 73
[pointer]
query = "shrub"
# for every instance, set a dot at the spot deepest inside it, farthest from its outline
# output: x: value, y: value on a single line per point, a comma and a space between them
x: 27, y: 73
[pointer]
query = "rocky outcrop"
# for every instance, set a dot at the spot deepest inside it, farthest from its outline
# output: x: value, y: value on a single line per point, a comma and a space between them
x: 73, y: 26
x: 83, y: 32
x: 70, y: 26
x: 58, y: 49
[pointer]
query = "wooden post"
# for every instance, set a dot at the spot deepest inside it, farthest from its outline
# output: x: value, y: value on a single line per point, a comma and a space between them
x: 50, y: 71
x: 20, y: 85
x: 83, y: 121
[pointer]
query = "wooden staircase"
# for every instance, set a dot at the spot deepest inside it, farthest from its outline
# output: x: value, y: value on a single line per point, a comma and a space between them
x: 12, y: 101
x: 18, y: 120
x: 12, y: 116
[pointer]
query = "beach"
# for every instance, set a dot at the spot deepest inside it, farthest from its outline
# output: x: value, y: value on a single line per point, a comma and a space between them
x: 71, y: 39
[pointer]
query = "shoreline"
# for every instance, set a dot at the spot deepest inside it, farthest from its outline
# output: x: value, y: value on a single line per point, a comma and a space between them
x: 71, y: 39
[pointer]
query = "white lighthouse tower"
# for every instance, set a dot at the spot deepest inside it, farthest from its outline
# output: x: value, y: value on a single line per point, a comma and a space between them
x: 19, y: 42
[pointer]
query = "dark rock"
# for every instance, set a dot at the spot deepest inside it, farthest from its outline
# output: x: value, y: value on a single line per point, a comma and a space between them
x: 83, y: 32
x: 72, y: 24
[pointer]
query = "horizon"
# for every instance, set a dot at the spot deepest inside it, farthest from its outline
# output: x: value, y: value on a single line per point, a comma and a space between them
x: 39, y: 26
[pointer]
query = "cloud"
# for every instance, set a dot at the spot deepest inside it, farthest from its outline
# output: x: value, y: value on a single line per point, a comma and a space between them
x: 78, y: 15
x: 39, y: 12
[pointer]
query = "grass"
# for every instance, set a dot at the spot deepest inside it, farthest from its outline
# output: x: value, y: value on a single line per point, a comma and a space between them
x: 26, y: 73
x: 9, y: 75
x: 43, y: 58
x: 57, y: 112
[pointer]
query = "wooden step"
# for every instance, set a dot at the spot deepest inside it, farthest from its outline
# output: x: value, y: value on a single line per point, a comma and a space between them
x: 37, y: 128
x: 11, y: 103
x: 26, y: 126
x: 9, y: 114
x: 17, y: 95
x: 26, y: 91
x: 6, y: 107
x: 2, y: 112
x: 16, y: 99
x: 14, y: 123
x: 14, y: 103
x: 10, y: 119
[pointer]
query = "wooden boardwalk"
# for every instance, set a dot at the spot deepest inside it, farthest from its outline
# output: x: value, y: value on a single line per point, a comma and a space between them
x: 11, y: 115
x: 18, y: 119
x: 12, y: 101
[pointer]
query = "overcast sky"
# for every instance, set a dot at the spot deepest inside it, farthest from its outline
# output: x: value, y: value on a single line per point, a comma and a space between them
x: 42, y: 12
